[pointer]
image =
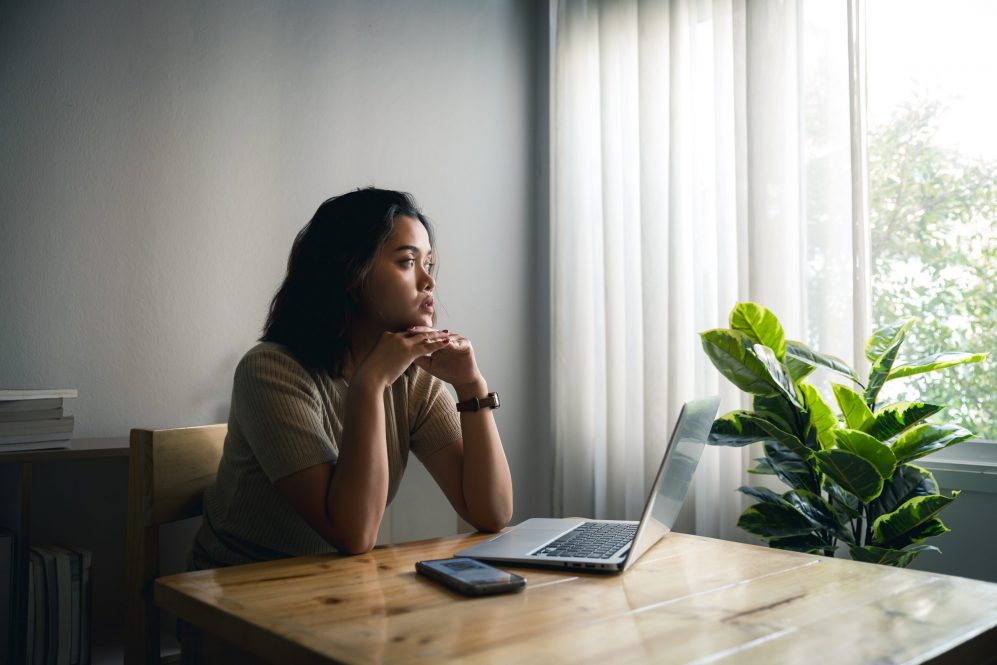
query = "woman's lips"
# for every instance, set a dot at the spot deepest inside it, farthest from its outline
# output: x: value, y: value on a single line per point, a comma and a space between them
x: 427, y: 305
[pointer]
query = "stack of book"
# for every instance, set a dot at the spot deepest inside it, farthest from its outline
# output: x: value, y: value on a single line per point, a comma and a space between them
x: 33, y: 420
x: 59, y: 604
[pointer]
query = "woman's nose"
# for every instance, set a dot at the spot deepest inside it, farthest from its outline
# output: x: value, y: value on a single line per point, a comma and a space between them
x: 428, y: 283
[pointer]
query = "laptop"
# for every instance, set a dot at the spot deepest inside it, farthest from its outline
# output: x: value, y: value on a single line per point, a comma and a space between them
x: 611, y: 545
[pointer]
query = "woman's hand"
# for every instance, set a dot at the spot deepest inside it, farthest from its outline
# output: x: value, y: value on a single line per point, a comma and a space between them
x: 395, y: 352
x: 453, y: 362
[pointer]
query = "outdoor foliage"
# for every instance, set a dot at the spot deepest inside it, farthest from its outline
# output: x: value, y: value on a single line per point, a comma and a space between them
x: 850, y: 473
x: 934, y: 246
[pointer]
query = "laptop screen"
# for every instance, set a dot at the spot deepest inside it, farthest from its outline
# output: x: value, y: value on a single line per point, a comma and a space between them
x: 675, y: 475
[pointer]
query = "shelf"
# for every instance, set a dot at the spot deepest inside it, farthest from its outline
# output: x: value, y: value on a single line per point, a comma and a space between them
x: 78, y: 449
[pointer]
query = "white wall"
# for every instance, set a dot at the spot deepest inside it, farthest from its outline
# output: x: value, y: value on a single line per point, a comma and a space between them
x: 157, y: 159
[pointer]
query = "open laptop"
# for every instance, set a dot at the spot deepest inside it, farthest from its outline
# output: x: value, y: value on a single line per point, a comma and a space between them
x: 612, y: 545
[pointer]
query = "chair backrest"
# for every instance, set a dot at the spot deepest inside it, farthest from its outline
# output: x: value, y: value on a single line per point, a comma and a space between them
x: 168, y: 470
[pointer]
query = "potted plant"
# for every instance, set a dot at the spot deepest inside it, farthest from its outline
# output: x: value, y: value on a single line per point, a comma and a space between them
x: 850, y: 476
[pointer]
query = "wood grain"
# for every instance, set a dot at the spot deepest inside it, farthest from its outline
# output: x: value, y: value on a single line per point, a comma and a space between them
x: 689, y: 599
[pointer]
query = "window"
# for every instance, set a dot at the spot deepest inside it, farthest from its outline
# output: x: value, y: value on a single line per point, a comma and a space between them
x: 933, y: 193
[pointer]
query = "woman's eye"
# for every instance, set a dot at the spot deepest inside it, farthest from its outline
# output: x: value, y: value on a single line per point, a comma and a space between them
x: 430, y: 266
x: 408, y: 263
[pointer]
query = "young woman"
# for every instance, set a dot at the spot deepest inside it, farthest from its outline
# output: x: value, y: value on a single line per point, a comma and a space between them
x: 348, y: 377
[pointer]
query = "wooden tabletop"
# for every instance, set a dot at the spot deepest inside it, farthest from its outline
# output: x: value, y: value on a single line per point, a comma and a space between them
x: 689, y: 599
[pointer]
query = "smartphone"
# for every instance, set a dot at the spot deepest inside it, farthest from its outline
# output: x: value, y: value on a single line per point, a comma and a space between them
x: 470, y: 577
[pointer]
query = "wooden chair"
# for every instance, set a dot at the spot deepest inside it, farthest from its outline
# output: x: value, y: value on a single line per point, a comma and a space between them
x: 168, y: 470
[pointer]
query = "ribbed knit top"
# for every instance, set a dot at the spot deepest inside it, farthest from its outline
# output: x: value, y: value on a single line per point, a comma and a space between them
x: 284, y: 418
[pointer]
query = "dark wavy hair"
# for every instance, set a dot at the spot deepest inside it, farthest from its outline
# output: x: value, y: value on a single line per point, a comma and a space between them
x: 330, y: 261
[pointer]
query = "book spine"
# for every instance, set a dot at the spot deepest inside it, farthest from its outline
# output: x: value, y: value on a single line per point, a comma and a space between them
x: 7, y: 593
x: 9, y: 406
x: 51, y: 607
x: 65, y: 592
x: 85, y: 619
x: 29, y: 643
x: 30, y: 416
x: 23, y: 427
x: 76, y: 570
x: 31, y: 438
x: 41, y: 609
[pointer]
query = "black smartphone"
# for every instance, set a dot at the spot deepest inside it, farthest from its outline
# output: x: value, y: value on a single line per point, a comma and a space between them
x: 470, y: 577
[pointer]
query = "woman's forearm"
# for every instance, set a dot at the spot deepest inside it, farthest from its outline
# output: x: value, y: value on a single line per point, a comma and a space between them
x: 486, y: 481
x: 358, y: 489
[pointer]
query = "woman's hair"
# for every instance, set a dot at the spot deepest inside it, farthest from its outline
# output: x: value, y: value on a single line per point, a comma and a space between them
x: 327, y: 271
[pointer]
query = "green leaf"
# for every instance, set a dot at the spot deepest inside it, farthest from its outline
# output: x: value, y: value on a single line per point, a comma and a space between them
x: 774, y: 521
x: 798, y: 370
x: 926, y: 439
x: 730, y: 352
x: 760, y: 325
x: 790, y: 467
x: 733, y: 429
x: 890, y: 557
x: 763, y: 494
x: 821, y: 417
x: 871, y: 450
x: 935, y: 362
x: 818, y: 511
x: 853, y: 407
x: 907, y: 482
x: 799, y: 351
x: 764, y: 467
x: 913, y: 514
x: 778, y: 374
x: 775, y: 433
x: 853, y: 473
x: 883, y: 363
x: 810, y: 544
x: 886, y: 337
x: 777, y: 409
x: 843, y: 503
x: 895, y: 418
x: 930, y: 529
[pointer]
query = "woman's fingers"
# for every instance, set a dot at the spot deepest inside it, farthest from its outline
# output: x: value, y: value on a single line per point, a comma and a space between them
x: 416, y: 330
x: 430, y: 342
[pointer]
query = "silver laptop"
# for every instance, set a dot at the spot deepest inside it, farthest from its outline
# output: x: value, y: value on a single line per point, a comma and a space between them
x: 612, y: 545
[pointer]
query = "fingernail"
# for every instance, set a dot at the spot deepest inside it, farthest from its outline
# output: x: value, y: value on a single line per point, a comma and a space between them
x: 446, y: 330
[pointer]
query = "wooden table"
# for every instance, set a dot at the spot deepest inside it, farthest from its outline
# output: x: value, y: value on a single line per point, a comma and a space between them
x: 689, y: 599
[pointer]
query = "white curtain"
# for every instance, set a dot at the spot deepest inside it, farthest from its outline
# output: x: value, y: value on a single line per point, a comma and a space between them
x: 700, y: 156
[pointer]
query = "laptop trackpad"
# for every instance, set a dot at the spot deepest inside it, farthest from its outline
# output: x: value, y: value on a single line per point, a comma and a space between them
x: 523, y: 538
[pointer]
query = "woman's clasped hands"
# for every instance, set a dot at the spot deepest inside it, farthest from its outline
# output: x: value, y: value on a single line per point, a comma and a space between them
x: 446, y: 355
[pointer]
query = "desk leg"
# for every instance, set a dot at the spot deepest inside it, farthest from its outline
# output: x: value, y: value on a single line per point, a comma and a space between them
x: 199, y: 647
x: 15, y: 514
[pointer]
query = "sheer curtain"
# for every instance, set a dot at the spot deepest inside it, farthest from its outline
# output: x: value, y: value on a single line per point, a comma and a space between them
x: 699, y: 156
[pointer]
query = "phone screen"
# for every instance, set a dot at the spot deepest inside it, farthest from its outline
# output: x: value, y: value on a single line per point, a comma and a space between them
x: 471, y: 571
x: 470, y: 577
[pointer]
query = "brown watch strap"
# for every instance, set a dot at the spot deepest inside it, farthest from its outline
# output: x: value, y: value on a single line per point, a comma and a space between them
x: 476, y: 403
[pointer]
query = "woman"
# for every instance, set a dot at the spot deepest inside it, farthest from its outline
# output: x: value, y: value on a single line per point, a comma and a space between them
x: 347, y: 378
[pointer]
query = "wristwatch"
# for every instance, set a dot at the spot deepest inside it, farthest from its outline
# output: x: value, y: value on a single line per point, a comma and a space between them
x: 475, y: 403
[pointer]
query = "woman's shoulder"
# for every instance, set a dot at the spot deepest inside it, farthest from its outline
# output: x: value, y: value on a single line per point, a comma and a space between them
x: 269, y: 360
x: 269, y: 352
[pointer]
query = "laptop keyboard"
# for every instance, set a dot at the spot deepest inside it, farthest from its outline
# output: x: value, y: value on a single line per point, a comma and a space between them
x: 590, y: 540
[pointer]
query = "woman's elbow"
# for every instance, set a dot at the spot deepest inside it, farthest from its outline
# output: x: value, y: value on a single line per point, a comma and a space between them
x: 491, y: 523
x: 353, y: 543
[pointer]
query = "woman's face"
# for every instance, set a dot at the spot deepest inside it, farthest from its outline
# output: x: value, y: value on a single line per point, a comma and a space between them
x: 399, y: 291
